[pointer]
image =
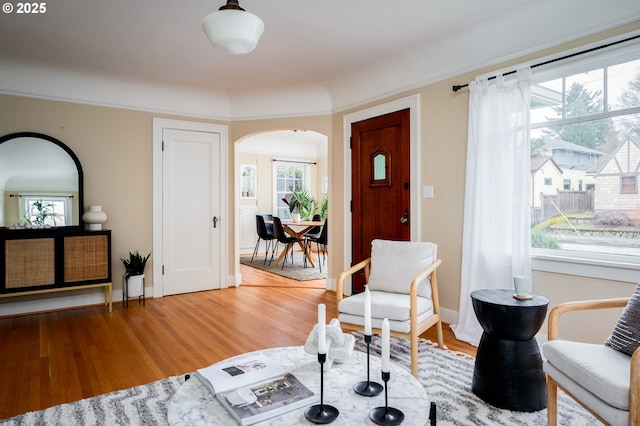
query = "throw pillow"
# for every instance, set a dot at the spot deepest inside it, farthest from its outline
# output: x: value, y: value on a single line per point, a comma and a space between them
x: 625, y: 336
x: 395, y: 263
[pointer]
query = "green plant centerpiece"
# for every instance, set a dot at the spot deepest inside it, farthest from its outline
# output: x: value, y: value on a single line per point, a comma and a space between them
x: 134, y: 274
x: 301, y: 201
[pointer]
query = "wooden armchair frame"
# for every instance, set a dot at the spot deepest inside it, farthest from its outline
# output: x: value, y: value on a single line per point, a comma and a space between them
x: 552, y: 385
x: 416, y: 328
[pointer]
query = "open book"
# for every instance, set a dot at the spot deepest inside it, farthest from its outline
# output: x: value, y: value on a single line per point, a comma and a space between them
x: 255, y: 389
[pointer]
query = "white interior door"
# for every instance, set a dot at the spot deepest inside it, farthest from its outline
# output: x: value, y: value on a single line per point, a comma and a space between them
x: 191, y: 207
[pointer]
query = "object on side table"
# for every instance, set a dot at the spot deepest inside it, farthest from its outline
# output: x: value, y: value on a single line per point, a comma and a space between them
x: 604, y: 379
x: 522, y: 285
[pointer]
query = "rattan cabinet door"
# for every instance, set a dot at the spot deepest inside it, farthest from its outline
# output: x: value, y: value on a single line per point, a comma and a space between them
x: 29, y: 263
x: 86, y: 258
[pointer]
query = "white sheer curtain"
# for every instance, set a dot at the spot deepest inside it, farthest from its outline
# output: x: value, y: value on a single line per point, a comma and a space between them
x: 496, y: 243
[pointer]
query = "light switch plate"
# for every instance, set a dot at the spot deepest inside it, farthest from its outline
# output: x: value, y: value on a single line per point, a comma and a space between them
x: 427, y: 191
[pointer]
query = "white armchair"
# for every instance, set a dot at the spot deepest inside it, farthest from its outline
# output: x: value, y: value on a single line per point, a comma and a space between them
x: 401, y: 276
x: 605, y: 381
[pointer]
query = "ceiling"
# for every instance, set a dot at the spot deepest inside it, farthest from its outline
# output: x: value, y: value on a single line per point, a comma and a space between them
x: 315, y: 56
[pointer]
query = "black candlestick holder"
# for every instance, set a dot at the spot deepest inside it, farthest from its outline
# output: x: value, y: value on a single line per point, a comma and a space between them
x: 386, y: 415
x: 321, y: 413
x: 367, y: 388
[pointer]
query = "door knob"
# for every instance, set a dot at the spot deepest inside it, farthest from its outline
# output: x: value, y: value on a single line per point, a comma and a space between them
x: 405, y: 218
x: 215, y: 221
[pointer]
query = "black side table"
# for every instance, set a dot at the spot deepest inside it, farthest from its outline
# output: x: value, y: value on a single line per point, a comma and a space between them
x: 508, y: 370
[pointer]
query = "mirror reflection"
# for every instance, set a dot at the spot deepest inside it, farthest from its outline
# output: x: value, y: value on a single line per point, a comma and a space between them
x: 40, y: 182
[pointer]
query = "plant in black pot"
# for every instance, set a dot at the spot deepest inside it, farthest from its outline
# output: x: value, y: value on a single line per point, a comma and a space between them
x: 134, y: 273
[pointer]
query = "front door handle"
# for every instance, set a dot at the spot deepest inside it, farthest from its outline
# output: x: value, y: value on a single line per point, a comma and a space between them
x: 215, y: 221
x: 405, y: 218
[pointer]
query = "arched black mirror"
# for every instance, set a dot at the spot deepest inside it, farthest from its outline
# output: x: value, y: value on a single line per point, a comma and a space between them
x: 41, y: 182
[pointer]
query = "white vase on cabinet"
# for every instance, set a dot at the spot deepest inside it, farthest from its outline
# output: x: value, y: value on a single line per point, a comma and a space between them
x: 93, y: 218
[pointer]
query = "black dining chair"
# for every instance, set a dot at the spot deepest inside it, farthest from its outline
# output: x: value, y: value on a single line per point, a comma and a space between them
x: 284, y: 238
x: 263, y: 234
x: 268, y: 223
x: 321, y: 243
x: 315, y: 231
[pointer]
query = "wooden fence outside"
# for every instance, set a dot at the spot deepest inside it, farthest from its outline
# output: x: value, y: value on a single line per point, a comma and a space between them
x: 564, y: 202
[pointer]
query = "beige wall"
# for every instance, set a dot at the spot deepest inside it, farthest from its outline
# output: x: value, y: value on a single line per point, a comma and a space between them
x: 115, y: 148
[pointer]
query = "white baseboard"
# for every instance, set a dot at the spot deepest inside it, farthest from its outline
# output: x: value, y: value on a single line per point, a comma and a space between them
x: 20, y: 305
x: 449, y: 316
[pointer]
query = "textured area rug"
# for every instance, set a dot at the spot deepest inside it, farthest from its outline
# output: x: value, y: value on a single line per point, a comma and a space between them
x: 140, y: 405
x: 295, y: 271
x: 446, y: 376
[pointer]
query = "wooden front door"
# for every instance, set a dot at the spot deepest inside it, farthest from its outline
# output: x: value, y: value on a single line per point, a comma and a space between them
x: 380, y: 183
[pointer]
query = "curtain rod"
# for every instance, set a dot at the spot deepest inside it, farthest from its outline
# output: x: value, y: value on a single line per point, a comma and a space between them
x: 294, y: 161
x: 582, y: 52
x: 40, y: 195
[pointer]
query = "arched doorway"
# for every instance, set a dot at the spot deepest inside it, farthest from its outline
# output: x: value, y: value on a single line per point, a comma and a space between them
x: 259, y: 162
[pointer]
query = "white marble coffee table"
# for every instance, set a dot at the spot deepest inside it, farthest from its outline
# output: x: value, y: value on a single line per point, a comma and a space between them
x: 194, y: 405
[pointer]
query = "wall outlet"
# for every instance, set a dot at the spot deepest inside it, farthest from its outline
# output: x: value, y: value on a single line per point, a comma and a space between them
x: 427, y: 191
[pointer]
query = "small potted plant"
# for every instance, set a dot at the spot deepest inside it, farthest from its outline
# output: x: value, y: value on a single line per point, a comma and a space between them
x: 134, y: 273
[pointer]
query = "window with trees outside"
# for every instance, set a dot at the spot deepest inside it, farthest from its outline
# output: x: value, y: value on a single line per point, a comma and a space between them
x: 588, y: 107
x: 289, y: 176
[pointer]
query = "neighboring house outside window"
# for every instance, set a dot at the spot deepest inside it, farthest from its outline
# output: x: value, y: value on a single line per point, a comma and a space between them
x: 544, y: 172
x: 585, y: 115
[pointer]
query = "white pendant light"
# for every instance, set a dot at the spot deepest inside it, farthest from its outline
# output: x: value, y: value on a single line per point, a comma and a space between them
x: 232, y: 29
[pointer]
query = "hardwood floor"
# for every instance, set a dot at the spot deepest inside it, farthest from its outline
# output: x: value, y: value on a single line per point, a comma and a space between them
x: 258, y: 277
x: 52, y: 358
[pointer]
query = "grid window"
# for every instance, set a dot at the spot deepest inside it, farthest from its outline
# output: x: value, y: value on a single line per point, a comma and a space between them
x: 628, y: 184
x: 586, y: 116
x: 289, y: 177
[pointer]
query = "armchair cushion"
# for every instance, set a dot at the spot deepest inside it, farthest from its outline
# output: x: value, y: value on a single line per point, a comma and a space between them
x: 394, y: 264
x: 596, y: 368
x: 393, y: 306
x: 625, y: 336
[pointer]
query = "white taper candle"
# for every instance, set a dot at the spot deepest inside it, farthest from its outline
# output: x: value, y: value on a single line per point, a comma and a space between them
x: 385, y: 345
x: 367, y: 311
x: 322, y: 331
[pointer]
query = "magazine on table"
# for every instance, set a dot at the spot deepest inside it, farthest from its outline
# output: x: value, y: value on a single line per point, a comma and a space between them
x: 255, y: 389
x: 272, y: 398
x: 225, y: 376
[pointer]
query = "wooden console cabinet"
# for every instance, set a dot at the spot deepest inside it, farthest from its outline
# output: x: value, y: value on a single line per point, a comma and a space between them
x: 38, y: 261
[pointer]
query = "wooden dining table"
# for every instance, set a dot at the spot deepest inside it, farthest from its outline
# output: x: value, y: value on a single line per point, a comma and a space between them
x: 298, y: 230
